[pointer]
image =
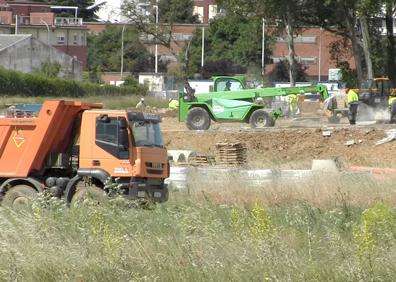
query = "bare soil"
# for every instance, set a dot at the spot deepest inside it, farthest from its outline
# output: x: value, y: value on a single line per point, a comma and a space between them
x: 291, y: 143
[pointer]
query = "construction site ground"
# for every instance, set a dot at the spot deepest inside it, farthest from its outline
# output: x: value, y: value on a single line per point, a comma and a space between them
x: 292, y: 143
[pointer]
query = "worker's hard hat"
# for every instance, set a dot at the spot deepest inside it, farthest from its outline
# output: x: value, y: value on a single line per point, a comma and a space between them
x: 141, y: 99
x: 170, y: 99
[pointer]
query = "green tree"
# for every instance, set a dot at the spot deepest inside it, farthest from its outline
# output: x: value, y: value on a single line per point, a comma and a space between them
x: 281, y: 71
x: 83, y: 12
x: 177, y: 11
x: 232, y: 42
x: 104, y: 51
x: 287, y: 16
x: 144, y: 20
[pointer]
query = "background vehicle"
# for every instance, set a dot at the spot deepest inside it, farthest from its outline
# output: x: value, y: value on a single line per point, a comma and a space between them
x: 375, y: 93
x: 71, y: 149
x: 237, y: 105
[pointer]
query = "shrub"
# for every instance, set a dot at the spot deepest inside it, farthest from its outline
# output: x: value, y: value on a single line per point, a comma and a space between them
x: 34, y: 85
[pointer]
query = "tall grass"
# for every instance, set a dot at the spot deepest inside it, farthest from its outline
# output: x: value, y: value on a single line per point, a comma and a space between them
x: 337, y: 229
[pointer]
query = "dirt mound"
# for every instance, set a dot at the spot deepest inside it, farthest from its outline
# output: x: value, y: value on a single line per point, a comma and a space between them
x: 293, y: 147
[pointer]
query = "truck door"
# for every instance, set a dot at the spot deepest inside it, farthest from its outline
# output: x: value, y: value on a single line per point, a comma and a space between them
x: 111, y: 151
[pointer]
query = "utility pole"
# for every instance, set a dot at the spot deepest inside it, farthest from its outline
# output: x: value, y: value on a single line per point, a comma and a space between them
x: 156, y: 36
x: 263, y: 50
x: 320, y: 53
x: 122, y: 52
x: 203, y: 47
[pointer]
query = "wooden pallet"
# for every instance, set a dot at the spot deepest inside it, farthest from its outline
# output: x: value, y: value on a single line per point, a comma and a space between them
x: 231, y: 153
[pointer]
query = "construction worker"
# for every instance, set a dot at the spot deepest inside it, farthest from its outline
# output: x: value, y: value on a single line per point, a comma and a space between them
x: 392, y: 107
x: 173, y: 104
x: 228, y: 86
x: 141, y: 104
x: 353, y: 103
x: 293, y: 104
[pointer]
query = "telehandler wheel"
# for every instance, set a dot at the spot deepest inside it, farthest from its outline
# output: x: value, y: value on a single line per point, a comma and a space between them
x: 19, y: 196
x: 89, y: 195
x: 198, y: 119
x: 260, y: 119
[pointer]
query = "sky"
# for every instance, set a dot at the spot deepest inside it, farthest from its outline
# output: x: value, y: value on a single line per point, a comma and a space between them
x: 110, y: 11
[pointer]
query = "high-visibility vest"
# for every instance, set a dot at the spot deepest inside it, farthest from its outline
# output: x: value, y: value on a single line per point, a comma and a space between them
x: 173, y: 104
x: 352, y: 96
x: 391, y: 100
x: 293, y: 99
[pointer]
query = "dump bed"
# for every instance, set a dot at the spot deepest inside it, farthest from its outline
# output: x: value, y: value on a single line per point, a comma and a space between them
x: 26, y: 140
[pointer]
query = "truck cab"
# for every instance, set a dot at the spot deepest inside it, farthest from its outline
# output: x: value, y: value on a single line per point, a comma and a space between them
x: 73, y: 149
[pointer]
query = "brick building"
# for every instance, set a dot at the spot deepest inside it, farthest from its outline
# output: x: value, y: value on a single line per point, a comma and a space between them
x: 311, y: 47
x: 312, y: 50
x: 205, y: 9
x: 67, y: 34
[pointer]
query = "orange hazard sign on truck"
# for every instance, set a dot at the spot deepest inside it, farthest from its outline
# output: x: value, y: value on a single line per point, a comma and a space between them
x: 18, y: 138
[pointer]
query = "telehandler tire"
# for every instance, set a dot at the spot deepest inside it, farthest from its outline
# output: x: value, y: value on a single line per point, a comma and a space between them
x: 19, y: 196
x: 198, y: 119
x: 260, y: 119
x: 89, y: 194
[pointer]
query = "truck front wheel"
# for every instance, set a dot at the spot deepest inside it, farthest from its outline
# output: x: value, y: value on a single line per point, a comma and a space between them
x: 260, y: 119
x: 19, y: 196
x: 91, y: 194
x: 198, y: 119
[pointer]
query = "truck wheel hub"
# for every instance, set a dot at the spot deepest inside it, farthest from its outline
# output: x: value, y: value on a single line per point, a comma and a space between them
x: 21, y: 201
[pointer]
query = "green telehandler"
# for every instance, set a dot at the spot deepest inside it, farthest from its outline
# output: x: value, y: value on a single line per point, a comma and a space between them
x: 230, y: 101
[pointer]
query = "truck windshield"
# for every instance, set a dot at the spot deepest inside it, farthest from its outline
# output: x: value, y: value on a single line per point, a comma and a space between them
x: 146, y: 133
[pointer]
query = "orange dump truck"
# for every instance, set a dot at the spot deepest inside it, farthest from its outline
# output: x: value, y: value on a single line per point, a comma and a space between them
x: 71, y: 149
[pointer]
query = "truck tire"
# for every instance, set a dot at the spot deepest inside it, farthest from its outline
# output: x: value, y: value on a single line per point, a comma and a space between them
x: 260, y: 119
x: 93, y: 193
x: 19, y: 196
x: 198, y: 119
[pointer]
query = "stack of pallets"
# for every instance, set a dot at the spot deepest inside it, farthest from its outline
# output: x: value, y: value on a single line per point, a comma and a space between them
x: 202, y: 159
x: 231, y: 153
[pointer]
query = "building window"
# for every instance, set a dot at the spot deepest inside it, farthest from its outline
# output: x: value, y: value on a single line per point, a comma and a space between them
x: 200, y: 12
x: 75, y: 39
x: 276, y: 60
x: 212, y: 11
x: 307, y: 60
x: 299, y: 39
x: 60, y: 38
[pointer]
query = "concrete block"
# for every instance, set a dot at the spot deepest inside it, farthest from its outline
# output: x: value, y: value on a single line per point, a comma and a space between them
x: 324, y: 166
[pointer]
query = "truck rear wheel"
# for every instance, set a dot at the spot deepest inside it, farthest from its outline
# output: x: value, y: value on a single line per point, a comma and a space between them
x: 260, y: 119
x: 198, y: 119
x: 19, y: 196
x: 89, y: 193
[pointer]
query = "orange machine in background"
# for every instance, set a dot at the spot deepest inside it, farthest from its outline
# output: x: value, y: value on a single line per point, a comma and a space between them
x: 72, y: 149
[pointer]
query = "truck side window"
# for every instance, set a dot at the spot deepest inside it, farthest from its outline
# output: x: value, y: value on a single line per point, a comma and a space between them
x: 107, y: 138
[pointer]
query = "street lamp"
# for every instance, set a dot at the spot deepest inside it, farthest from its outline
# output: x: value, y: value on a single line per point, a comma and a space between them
x: 48, y: 31
x: 263, y: 50
x: 320, y: 52
x: 122, y: 52
x: 156, y: 36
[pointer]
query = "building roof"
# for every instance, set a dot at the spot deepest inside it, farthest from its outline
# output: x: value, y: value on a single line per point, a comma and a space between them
x: 7, y: 40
